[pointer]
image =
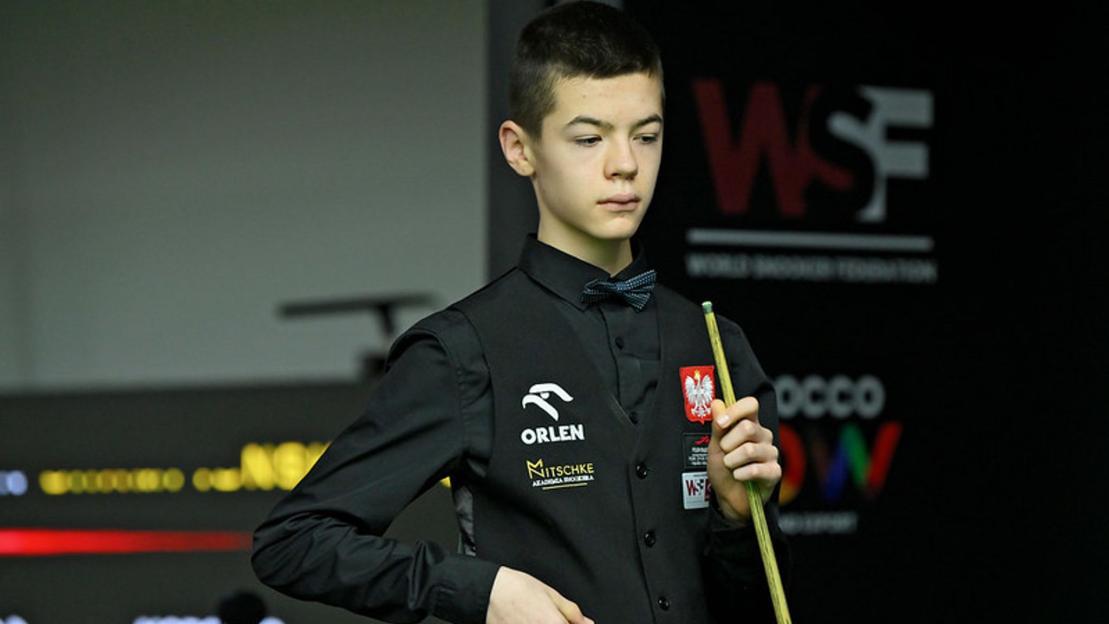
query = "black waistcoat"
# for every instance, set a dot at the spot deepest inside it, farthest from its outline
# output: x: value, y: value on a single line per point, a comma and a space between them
x: 609, y: 513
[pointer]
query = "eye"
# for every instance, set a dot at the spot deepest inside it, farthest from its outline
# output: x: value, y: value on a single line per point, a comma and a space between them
x: 588, y: 141
x: 647, y: 138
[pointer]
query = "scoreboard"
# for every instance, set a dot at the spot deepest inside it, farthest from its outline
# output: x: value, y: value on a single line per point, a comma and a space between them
x: 138, y: 506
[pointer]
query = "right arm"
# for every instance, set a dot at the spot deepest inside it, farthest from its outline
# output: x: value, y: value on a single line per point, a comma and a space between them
x: 323, y: 541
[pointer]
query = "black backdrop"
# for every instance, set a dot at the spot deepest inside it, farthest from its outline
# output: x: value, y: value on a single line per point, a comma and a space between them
x: 982, y: 317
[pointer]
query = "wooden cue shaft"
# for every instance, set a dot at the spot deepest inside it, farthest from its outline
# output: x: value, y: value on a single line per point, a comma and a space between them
x: 754, y: 500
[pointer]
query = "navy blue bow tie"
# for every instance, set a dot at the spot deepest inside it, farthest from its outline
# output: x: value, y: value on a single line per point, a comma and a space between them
x: 635, y: 290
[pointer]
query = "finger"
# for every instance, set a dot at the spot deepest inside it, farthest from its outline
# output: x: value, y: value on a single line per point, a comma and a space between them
x: 745, y: 408
x: 719, y: 419
x: 719, y: 412
x: 763, y: 472
x: 568, y: 608
x: 745, y: 431
x: 572, y: 613
x: 727, y: 415
x: 751, y: 453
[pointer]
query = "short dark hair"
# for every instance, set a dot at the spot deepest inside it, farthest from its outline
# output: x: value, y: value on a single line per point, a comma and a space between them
x: 569, y: 40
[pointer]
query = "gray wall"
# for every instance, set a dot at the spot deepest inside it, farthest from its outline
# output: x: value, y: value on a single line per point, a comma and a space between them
x: 171, y: 171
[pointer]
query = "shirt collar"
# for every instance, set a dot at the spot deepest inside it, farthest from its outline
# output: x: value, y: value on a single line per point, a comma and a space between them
x: 566, y: 275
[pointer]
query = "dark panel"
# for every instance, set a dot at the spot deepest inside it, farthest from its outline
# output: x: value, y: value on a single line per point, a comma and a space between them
x: 967, y: 284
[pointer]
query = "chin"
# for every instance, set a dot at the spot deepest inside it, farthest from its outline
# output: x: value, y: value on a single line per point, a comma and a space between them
x: 618, y: 231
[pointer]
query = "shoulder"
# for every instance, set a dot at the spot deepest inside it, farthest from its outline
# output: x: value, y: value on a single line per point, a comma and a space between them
x: 449, y: 330
x: 491, y: 293
x: 446, y: 325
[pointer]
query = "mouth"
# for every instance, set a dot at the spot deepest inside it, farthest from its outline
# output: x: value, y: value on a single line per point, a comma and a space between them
x: 624, y: 202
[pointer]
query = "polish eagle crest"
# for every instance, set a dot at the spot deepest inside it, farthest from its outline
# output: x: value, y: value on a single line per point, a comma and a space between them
x: 699, y: 392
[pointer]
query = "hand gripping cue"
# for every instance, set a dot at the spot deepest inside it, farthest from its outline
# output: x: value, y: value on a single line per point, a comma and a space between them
x: 754, y: 500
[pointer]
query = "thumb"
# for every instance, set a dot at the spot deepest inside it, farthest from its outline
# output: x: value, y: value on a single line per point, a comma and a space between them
x: 718, y: 429
x: 567, y: 608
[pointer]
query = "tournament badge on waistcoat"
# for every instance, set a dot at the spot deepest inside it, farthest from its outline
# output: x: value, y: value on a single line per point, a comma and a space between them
x: 698, y: 389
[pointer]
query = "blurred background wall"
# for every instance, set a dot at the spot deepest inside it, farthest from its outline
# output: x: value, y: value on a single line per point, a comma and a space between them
x: 170, y: 172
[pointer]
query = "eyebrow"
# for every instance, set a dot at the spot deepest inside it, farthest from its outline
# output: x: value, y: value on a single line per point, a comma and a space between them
x: 583, y: 119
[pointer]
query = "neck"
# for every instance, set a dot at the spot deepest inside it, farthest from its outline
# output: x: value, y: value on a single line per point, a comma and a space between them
x: 610, y: 255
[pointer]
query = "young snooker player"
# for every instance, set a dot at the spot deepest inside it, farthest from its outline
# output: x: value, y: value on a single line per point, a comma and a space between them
x: 595, y: 476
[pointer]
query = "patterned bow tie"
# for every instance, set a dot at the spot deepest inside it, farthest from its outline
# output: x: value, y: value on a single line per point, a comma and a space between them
x: 635, y: 291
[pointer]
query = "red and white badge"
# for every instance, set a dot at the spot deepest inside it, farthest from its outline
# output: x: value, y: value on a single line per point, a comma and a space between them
x: 695, y: 490
x: 699, y: 389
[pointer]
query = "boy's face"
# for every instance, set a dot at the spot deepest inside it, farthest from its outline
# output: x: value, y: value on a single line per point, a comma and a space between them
x: 595, y: 166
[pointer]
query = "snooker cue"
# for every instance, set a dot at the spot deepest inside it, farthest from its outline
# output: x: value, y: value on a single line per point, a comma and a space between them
x: 754, y: 500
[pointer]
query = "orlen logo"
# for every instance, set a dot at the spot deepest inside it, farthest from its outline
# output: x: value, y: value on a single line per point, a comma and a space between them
x: 843, y: 458
x: 762, y: 135
x: 539, y: 393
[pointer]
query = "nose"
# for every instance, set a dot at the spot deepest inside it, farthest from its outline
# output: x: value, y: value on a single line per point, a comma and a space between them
x: 620, y: 160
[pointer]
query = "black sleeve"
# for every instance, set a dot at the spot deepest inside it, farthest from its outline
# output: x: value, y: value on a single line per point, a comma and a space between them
x: 735, y: 580
x: 323, y: 541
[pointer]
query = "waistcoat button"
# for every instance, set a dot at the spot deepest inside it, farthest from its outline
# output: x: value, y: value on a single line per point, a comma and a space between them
x: 641, y: 471
x: 649, y: 538
x: 619, y: 342
x: 663, y: 603
x: 633, y: 416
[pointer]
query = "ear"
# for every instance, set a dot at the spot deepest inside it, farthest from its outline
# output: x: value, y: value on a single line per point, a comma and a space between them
x: 514, y: 144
